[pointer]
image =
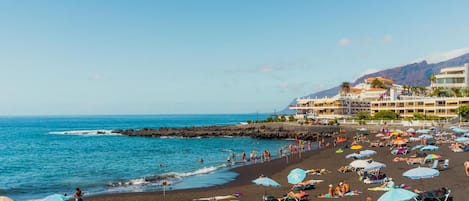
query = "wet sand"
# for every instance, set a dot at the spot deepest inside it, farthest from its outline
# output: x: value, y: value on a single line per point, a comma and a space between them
x: 454, y: 178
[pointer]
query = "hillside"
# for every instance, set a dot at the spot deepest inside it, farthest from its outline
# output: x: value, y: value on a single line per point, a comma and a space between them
x: 415, y: 74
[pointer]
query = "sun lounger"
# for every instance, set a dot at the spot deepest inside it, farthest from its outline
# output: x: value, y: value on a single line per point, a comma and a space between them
x: 445, y: 165
x: 434, y: 164
x: 216, y: 198
x: 436, y: 195
x: 379, y: 189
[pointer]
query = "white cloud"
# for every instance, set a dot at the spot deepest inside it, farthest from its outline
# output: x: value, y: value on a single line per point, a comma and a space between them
x: 443, y: 56
x: 366, y: 72
x: 344, y: 42
x: 387, y: 38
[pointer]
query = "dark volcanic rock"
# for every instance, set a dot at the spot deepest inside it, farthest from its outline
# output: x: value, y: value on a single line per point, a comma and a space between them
x: 261, y: 131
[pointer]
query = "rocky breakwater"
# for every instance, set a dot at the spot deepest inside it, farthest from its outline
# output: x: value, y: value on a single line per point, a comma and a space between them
x: 262, y: 130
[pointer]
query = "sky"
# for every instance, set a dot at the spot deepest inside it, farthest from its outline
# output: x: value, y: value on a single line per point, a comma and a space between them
x: 207, y: 57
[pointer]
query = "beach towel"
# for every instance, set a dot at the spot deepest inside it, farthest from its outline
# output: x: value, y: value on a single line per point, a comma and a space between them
x: 379, y: 189
x: 216, y: 198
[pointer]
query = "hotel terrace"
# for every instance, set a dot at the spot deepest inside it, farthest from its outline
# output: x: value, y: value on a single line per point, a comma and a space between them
x: 365, y: 97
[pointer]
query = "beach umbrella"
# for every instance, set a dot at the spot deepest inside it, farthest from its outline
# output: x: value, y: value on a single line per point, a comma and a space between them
x: 367, y: 152
x: 417, y: 147
x: 55, y: 197
x: 398, y: 194
x: 426, y: 136
x: 266, y: 181
x: 296, y: 176
x: 354, y: 155
x: 411, y: 130
x: 374, y: 165
x: 462, y: 139
x: 359, y: 163
x: 421, y: 173
x: 429, y: 148
x: 432, y: 156
x: 3, y: 198
x: 422, y: 131
x: 380, y: 135
x: 466, y: 135
x: 354, y: 147
x: 362, y: 129
x: 460, y: 130
x: 399, y: 142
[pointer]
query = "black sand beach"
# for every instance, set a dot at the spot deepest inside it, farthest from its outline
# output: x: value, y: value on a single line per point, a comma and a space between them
x: 454, y: 177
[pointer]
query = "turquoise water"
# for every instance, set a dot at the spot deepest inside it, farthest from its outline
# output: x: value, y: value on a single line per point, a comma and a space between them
x: 55, y: 154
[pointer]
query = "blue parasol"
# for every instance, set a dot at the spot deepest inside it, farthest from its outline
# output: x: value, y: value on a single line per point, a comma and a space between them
x: 354, y: 155
x: 265, y: 181
x: 429, y: 148
x: 374, y: 165
x: 367, y: 152
x: 296, y: 176
x: 421, y: 173
x: 462, y: 139
x: 397, y: 194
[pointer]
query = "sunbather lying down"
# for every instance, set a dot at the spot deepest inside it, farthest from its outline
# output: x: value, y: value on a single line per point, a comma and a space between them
x: 327, y: 195
x: 344, y: 169
x: 298, y: 195
x: 318, y: 171
x: 310, y: 182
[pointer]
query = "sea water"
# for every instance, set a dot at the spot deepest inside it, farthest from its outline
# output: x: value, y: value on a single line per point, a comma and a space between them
x: 43, y: 155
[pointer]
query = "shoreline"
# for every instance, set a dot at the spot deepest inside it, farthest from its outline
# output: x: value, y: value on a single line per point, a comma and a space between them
x: 244, y: 177
x: 277, y: 169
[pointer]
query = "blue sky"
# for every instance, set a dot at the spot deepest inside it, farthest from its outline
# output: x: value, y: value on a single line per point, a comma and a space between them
x: 192, y: 57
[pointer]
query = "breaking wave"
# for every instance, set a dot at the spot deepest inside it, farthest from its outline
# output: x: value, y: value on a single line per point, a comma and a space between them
x: 170, y: 177
x: 85, y: 132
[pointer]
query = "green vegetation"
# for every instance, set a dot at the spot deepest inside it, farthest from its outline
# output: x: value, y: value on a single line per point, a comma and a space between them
x: 463, y: 111
x: 385, y: 115
x: 363, y: 115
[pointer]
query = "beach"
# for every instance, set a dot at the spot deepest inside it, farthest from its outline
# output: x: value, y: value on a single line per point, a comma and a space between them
x: 454, y: 177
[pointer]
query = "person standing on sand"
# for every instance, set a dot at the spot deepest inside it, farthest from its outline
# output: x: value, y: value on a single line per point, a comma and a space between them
x: 466, y: 167
x: 78, y: 195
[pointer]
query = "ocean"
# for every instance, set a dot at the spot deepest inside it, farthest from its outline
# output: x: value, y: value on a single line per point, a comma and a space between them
x: 44, y: 155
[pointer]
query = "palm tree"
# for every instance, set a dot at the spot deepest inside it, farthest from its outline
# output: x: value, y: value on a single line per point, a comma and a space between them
x: 432, y: 79
x: 456, y: 91
x: 424, y: 90
x: 465, y: 91
x: 378, y: 84
x: 345, y: 88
